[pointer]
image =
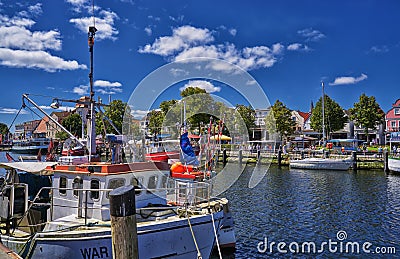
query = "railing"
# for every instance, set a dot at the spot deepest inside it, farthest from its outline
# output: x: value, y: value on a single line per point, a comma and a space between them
x: 181, y: 194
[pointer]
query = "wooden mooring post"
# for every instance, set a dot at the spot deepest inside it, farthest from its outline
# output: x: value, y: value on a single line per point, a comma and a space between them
x: 386, y: 161
x: 279, y: 158
x: 354, y: 158
x: 224, y: 157
x: 240, y: 156
x: 123, y: 223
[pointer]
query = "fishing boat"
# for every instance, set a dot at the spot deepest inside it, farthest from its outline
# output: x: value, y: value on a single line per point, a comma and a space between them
x: 314, y: 163
x: 30, y: 146
x: 162, y: 151
x: 69, y: 216
x: 74, y: 222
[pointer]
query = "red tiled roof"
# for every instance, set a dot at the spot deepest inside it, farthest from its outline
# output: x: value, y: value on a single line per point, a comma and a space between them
x: 305, y: 115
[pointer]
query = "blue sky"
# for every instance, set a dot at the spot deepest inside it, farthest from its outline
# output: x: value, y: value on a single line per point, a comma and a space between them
x: 289, y: 47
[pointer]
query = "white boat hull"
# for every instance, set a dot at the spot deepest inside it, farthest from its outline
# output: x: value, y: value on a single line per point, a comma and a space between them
x: 394, y: 164
x: 162, y: 239
x: 321, y: 164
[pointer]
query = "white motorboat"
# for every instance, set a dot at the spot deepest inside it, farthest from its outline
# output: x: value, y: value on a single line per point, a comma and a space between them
x: 322, y: 163
x: 394, y: 163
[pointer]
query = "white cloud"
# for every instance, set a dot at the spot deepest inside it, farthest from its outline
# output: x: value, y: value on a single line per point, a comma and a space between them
x: 251, y: 82
x: 188, y: 42
x: 182, y: 37
x: 106, y: 87
x: 232, y: 32
x: 379, y: 49
x: 17, y: 37
x: 148, y: 30
x: 298, y: 47
x: 178, y: 72
x: 209, y: 87
x: 22, y: 47
x: 11, y: 111
x: 346, y: 80
x: 104, y: 24
x: 311, y: 35
x: 81, y: 90
x: 36, y: 59
x: 139, y: 113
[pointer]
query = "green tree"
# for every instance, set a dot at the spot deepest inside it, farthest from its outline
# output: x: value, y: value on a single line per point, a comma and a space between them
x: 165, y: 106
x: 367, y: 113
x: 114, y: 112
x: 248, y: 115
x: 156, y: 118
x: 62, y: 135
x: 191, y: 91
x: 3, y: 129
x: 73, y: 123
x: 335, y: 118
x: 279, y: 120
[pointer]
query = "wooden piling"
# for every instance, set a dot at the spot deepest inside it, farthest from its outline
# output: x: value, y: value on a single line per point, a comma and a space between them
x: 279, y: 158
x: 302, y: 154
x: 240, y: 156
x: 123, y: 223
x: 354, y: 157
x: 386, y: 161
x: 224, y: 157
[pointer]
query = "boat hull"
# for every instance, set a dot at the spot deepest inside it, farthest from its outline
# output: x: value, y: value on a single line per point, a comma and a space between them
x: 321, y: 164
x: 169, y: 239
x: 30, y: 149
x: 162, y: 156
x: 394, y: 164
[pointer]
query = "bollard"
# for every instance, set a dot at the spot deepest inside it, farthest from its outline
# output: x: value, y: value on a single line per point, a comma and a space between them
x: 279, y: 158
x: 240, y: 156
x: 354, y: 157
x: 302, y: 154
x: 123, y: 223
x: 224, y: 157
x: 386, y: 161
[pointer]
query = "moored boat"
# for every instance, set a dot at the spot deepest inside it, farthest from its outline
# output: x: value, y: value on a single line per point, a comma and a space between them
x: 394, y: 163
x: 30, y: 146
x: 322, y: 163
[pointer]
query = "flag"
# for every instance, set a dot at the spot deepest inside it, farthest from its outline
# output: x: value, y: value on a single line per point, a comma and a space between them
x: 188, y: 155
x: 9, y: 157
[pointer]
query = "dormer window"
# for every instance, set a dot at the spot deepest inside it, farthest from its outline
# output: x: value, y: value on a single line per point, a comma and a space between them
x: 396, y: 111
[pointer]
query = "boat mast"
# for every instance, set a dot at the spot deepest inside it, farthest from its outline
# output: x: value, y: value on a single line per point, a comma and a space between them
x: 323, y: 113
x: 91, y: 127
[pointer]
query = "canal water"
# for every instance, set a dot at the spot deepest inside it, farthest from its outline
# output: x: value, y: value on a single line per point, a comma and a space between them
x: 335, y: 211
x: 314, y: 214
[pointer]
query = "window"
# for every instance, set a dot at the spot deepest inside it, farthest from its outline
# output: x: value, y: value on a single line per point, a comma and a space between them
x: 62, y: 184
x: 94, y: 184
x: 152, y: 183
x: 396, y: 111
x: 137, y: 183
x: 115, y: 183
x: 77, y: 184
x: 393, y: 124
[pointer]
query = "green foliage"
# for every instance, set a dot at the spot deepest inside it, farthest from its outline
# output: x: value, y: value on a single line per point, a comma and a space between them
x: 73, y: 123
x: 165, y: 106
x: 191, y: 91
x: 367, y: 113
x: 278, y: 120
x: 3, y: 128
x: 62, y: 135
x: 335, y: 118
x: 156, y: 119
x: 248, y: 115
x: 115, y: 112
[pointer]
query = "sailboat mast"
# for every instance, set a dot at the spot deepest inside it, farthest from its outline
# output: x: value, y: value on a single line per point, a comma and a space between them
x: 91, y: 127
x: 323, y: 113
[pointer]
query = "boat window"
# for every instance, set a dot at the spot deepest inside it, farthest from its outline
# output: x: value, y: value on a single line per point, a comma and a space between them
x: 115, y: 183
x: 163, y: 182
x: 77, y: 184
x: 152, y: 183
x: 137, y: 183
x: 62, y: 184
x: 94, y: 184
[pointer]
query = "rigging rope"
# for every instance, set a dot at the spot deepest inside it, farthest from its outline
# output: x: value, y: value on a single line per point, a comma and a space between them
x: 194, y: 238
x: 15, y: 118
x: 216, y: 236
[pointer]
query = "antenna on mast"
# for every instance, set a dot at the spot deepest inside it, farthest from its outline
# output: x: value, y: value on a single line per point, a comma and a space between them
x: 91, y: 129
